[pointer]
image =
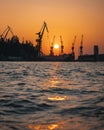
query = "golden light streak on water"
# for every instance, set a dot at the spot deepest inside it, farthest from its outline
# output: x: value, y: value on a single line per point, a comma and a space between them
x: 48, y: 126
x: 52, y: 126
x: 43, y: 127
x: 72, y: 123
x: 54, y: 83
x: 33, y: 127
x: 57, y: 98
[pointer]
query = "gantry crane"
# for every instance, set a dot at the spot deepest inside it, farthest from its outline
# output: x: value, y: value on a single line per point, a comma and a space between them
x: 5, y: 33
x: 81, y: 47
x: 39, y: 39
x: 51, y: 48
x: 73, y: 44
x: 62, y: 46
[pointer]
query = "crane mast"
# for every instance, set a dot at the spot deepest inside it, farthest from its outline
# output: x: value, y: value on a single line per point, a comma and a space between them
x: 39, y: 39
x: 51, y: 48
x: 62, y: 46
x: 73, y: 44
x: 81, y: 47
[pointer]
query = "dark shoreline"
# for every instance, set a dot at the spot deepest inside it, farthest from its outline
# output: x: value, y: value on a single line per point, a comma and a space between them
x: 44, y: 61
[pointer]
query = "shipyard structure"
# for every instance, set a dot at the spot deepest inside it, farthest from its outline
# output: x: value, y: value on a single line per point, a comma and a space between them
x: 92, y: 57
x: 62, y: 56
x: 13, y: 50
x: 51, y: 57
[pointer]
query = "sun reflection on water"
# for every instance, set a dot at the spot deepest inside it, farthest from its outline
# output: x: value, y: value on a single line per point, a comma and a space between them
x: 54, y: 83
x: 57, y: 98
x: 73, y: 123
x: 52, y: 126
x: 43, y: 127
x: 55, y: 126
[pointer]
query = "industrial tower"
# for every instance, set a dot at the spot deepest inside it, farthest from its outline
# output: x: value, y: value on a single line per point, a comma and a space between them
x: 62, y: 46
x: 73, y: 44
x: 51, y: 48
x: 96, y: 52
x: 39, y: 39
x: 81, y: 47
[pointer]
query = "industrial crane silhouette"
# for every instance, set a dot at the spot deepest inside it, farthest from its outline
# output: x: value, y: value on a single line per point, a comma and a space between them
x: 73, y: 44
x: 39, y: 39
x: 81, y: 47
x: 62, y: 46
x: 51, y: 48
x: 5, y: 33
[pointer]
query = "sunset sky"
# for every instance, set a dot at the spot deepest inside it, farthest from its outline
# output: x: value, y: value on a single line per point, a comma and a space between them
x: 64, y: 17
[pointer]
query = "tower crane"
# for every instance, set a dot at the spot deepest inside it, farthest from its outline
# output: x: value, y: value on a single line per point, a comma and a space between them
x: 62, y: 46
x: 39, y: 39
x: 5, y: 33
x: 73, y: 44
x: 81, y: 47
x: 51, y: 48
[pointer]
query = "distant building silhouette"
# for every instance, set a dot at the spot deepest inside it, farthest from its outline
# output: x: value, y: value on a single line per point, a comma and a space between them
x: 94, y: 57
x: 96, y: 52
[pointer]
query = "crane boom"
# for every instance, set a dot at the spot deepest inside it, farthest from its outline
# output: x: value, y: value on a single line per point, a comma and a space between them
x: 5, y: 32
x: 61, y: 40
x: 82, y: 41
x: 40, y: 36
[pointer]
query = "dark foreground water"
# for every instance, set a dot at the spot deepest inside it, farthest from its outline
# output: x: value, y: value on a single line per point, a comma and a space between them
x: 51, y: 96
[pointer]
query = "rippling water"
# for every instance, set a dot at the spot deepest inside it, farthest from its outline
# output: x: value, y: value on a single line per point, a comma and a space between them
x: 51, y: 96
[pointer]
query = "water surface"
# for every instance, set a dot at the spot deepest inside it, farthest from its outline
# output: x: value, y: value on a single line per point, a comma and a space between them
x: 51, y: 96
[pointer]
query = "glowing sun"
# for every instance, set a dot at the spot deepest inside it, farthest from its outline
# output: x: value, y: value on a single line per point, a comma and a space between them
x: 56, y: 46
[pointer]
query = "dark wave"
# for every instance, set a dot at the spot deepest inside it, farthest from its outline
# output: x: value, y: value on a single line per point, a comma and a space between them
x: 84, y: 111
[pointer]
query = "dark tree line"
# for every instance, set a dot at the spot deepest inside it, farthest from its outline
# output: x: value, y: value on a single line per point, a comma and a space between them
x: 12, y: 48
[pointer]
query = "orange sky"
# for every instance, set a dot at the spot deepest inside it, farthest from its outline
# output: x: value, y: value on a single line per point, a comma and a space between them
x: 64, y: 17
